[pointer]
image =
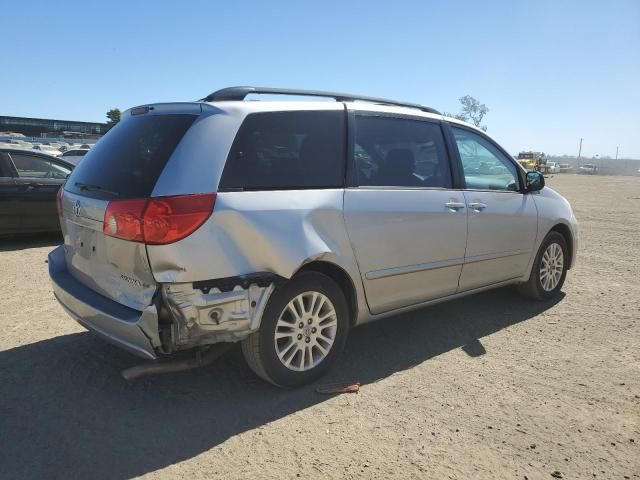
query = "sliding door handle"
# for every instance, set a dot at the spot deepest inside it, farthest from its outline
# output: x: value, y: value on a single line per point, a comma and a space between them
x: 454, y: 205
x: 478, y: 206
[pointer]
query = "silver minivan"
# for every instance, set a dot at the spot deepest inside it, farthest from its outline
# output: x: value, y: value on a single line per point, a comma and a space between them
x: 283, y: 224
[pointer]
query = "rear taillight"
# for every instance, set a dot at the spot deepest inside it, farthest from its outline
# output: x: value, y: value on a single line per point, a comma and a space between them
x: 157, y: 221
x: 168, y: 219
x: 59, y: 201
x: 123, y: 219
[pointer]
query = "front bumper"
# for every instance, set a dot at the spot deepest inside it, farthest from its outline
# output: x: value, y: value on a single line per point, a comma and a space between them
x: 133, y: 330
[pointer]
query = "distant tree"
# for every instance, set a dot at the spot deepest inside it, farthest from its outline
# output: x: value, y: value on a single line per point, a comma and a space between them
x: 459, y: 116
x: 114, y: 116
x: 472, y: 111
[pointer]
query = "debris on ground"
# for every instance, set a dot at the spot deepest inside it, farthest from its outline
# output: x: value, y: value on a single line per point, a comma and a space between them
x: 336, y: 388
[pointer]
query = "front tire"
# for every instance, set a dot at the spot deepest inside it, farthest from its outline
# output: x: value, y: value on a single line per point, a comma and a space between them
x: 549, y: 269
x: 303, y: 330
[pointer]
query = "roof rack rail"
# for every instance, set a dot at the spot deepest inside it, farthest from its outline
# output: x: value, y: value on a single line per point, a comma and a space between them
x: 239, y: 93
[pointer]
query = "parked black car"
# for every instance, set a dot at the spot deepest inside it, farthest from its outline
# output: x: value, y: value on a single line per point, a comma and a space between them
x: 29, y: 182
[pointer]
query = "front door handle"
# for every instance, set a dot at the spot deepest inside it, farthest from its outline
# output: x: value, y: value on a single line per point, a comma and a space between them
x: 454, y: 205
x: 478, y: 206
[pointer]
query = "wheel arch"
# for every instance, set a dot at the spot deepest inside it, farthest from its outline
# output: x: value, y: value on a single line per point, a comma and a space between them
x: 565, y: 231
x: 342, y: 278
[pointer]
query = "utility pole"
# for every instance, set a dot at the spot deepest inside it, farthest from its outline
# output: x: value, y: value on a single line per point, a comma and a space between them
x: 579, y: 152
x: 616, y: 153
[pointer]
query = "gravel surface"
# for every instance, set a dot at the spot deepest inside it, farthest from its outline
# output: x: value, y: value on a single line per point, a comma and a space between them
x: 491, y: 386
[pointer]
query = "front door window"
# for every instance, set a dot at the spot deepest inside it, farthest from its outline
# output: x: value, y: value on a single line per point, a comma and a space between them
x: 484, y: 166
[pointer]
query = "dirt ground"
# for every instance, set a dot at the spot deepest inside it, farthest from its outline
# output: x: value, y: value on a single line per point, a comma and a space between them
x: 491, y: 386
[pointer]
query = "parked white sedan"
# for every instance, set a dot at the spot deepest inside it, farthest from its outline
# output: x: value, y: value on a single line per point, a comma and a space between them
x: 75, y: 155
x: 48, y: 149
x: 553, y: 167
x: 588, y: 169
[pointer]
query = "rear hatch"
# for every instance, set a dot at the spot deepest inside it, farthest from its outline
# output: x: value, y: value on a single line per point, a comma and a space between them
x: 124, y: 165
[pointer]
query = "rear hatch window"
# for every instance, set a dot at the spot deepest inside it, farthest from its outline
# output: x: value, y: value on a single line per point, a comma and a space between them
x: 128, y: 160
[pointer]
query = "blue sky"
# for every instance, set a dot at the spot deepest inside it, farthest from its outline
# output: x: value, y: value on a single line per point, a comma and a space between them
x: 549, y: 71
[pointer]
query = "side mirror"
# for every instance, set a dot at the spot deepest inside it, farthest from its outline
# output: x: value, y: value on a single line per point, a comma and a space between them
x: 535, y: 182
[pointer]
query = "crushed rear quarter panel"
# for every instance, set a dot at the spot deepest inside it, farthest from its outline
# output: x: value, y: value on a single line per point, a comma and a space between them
x: 266, y: 231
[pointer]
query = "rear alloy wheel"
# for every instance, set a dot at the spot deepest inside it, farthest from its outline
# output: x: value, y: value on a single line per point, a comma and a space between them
x: 303, y: 330
x: 549, y: 269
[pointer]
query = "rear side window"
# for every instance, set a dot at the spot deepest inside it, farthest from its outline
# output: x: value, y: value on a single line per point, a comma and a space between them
x: 5, y: 166
x: 287, y: 150
x: 31, y: 166
x: 128, y: 160
x: 400, y: 152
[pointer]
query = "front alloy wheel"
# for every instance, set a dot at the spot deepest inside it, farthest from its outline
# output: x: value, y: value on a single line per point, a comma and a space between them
x: 549, y: 268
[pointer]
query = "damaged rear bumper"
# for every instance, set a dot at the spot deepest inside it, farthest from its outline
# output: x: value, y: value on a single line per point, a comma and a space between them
x: 133, y: 330
x: 188, y: 314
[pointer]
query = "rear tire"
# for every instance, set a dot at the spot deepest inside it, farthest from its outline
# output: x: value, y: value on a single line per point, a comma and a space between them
x: 546, y: 279
x: 302, y: 332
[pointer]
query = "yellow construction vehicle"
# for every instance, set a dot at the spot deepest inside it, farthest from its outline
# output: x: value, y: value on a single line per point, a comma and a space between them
x: 533, y: 160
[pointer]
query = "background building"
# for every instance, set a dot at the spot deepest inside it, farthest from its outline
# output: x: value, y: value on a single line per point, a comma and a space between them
x: 42, y: 127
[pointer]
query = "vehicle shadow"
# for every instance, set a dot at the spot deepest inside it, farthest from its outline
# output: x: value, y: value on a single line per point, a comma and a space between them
x: 66, y: 412
x: 33, y: 240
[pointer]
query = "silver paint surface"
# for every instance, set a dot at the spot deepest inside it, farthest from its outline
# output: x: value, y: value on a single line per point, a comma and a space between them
x: 399, y: 236
x: 554, y: 209
x: 500, y: 238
